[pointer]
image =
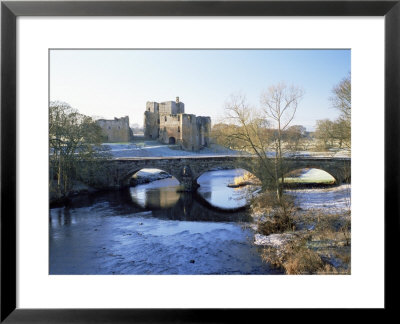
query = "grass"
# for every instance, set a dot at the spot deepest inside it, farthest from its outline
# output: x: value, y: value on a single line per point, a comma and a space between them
x: 306, y: 255
x: 295, y: 258
x: 246, y: 179
x: 303, y: 176
x: 308, y: 181
x: 319, y: 243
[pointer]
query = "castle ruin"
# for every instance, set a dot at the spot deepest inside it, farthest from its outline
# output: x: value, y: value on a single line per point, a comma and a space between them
x: 116, y: 130
x: 168, y: 123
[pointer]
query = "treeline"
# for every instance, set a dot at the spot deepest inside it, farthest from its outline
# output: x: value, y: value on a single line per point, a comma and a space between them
x: 73, y: 138
x: 328, y: 134
x: 337, y: 133
x: 294, y: 138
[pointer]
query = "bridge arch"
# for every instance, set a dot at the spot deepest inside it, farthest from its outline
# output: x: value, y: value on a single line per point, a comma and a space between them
x: 312, y: 176
x: 224, y: 168
x: 128, y: 175
x: 340, y: 173
x: 226, y: 165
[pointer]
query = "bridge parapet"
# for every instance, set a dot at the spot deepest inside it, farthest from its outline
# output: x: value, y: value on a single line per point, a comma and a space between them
x: 187, y: 169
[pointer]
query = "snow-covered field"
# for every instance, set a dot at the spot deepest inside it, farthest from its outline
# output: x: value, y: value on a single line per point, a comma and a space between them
x: 144, y: 148
x: 155, y: 149
x: 331, y: 153
x: 332, y: 200
x: 312, y: 176
x: 328, y: 200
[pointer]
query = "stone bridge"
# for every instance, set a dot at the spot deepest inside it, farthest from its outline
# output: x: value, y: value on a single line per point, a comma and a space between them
x: 187, y: 169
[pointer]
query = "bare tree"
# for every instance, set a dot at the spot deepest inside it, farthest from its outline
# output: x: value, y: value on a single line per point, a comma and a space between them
x: 279, y: 104
x: 294, y: 136
x: 324, y: 133
x: 73, y: 137
x: 260, y: 131
x: 341, y: 100
x: 248, y: 131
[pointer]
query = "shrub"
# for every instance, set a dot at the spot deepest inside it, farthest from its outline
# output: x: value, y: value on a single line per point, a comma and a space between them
x: 296, y: 258
x: 303, y: 261
x: 278, y: 216
x: 246, y: 179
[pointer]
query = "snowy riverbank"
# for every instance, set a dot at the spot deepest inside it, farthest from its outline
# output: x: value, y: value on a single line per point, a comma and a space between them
x: 155, y: 149
x: 319, y: 239
x: 152, y: 148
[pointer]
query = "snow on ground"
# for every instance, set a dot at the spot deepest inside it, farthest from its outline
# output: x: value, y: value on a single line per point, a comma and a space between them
x: 144, y: 148
x: 273, y: 240
x: 328, y: 200
x: 330, y: 153
x: 336, y: 199
x: 150, y: 174
x: 312, y: 176
x: 155, y: 149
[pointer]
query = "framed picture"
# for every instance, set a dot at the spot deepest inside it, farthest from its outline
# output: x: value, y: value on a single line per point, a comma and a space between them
x: 77, y: 50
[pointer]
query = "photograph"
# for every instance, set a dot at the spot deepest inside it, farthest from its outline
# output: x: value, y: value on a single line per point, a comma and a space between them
x: 199, y: 161
x: 193, y: 161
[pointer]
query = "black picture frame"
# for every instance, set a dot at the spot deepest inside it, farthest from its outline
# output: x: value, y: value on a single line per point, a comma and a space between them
x: 10, y: 10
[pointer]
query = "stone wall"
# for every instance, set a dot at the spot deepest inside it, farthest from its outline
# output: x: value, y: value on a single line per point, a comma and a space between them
x: 204, y: 125
x: 196, y: 132
x: 190, y: 138
x: 151, y: 125
x: 152, y: 106
x: 170, y: 129
x: 171, y: 107
x: 116, y: 130
x: 116, y: 173
x: 167, y: 122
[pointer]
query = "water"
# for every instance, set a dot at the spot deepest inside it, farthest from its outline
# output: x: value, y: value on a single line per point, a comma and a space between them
x: 153, y: 229
x: 213, y: 188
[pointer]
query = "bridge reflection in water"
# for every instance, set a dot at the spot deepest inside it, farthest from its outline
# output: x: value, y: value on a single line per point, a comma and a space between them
x: 157, y: 194
x: 166, y: 201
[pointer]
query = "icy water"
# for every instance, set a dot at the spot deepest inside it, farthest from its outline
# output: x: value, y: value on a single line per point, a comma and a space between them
x: 153, y: 229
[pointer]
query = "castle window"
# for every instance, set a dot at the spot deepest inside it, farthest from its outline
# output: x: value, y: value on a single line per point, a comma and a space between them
x: 158, y: 120
x: 179, y: 129
x: 165, y: 118
x: 179, y: 117
x: 109, y: 127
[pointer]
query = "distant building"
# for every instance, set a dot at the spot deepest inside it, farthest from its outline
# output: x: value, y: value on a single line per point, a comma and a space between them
x: 116, y: 130
x: 168, y: 123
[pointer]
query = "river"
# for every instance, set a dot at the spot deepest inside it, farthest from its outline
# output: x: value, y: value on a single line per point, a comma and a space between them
x: 154, y: 229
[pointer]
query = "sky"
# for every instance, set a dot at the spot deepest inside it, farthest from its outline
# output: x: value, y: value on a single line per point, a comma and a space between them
x: 117, y: 83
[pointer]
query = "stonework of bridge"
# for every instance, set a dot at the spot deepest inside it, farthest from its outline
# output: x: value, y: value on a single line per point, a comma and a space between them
x: 188, y: 169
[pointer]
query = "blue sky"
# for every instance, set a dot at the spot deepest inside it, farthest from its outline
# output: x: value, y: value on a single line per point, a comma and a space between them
x: 116, y: 83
